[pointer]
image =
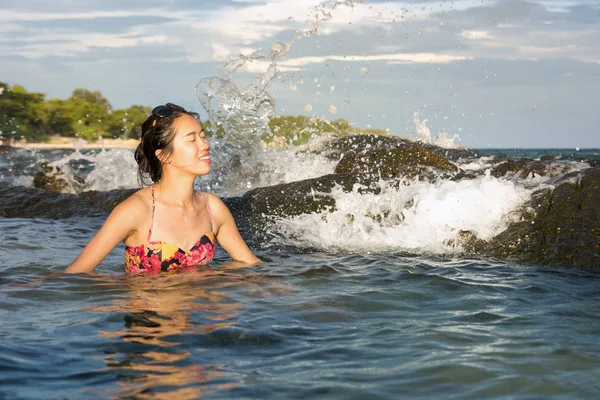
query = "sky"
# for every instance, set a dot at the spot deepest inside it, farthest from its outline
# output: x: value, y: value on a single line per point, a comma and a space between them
x: 499, y: 74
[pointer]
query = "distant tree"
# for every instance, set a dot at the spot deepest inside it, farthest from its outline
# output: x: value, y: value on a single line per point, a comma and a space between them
x: 299, y: 129
x: 210, y: 130
x: 22, y: 114
x: 61, y: 117
x: 89, y: 112
x: 125, y: 123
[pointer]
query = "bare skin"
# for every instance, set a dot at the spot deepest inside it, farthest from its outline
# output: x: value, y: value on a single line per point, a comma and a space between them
x: 180, y: 216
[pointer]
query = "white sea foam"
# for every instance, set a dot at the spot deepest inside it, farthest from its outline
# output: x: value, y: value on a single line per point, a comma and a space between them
x: 476, y: 165
x: 417, y: 217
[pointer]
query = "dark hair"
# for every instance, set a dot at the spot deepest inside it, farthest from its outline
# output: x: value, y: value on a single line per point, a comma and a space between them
x: 157, y: 134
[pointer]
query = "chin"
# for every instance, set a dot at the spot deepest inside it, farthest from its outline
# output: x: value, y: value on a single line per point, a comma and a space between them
x: 203, y: 171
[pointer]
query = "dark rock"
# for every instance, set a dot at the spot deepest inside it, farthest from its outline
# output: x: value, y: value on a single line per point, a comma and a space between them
x: 359, y: 144
x: 363, y: 144
x: 107, y: 200
x: 510, y: 166
x: 51, y: 178
x: 302, y: 197
x: 5, y: 149
x: 26, y: 202
x: 450, y: 154
x: 593, y: 163
x: 525, y: 167
x: 565, y: 230
x: 406, y: 161
x: 462, y: 175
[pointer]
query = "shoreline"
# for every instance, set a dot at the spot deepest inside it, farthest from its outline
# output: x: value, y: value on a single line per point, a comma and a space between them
x: 74, y: 144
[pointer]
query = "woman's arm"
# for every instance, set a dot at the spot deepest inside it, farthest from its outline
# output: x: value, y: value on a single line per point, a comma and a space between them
x: 121, y: 223
x: 228, y: 235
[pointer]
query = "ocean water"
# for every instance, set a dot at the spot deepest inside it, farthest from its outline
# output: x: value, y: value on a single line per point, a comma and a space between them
x: 339, y: 310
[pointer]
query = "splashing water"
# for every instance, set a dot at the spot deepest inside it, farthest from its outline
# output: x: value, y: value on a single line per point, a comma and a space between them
x: 240, y: 116
x: 105, y: 170
x: 442, y: 139
x: 418, y: 216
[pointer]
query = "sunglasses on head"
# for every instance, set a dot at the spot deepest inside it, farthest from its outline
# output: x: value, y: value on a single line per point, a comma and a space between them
x: 165, y: 111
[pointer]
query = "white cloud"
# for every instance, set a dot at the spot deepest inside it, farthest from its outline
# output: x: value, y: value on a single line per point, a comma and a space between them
x: 254, y: 24
x: 297, y: 64
x: 475, y: 35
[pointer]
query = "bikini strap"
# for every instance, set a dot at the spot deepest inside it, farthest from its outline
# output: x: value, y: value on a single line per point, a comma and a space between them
x: 152, y: 220
x: 208, y: 212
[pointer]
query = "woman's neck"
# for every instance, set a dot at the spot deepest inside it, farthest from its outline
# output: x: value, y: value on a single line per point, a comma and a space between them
x: 179, y: 191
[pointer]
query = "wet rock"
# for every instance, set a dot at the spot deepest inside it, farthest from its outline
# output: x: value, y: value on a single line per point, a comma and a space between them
x: 363, y: 144
x: 51, y: 178
x: 5, y: 149
x: 360, y: 144
x: 512, y: 166
x: 406, y: 161
x: 462, y: 175
x: 563, y: 228
x: 26, y: 202
x: 525, y: 167
x: 302, y: 197
x: 107, y: 200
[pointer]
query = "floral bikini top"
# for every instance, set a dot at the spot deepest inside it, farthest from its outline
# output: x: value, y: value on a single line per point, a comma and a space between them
x: 163, y: 256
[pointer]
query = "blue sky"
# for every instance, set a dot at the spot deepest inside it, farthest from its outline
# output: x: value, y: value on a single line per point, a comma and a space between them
x: 498, y: 73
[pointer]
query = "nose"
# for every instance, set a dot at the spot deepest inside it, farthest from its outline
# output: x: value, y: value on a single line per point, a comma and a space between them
x: 204, y: 145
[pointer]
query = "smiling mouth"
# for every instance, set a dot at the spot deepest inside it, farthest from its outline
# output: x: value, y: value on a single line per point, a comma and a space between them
x: 205, y: 158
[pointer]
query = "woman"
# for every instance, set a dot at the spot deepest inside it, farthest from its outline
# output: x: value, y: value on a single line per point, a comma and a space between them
x: 168, y: 225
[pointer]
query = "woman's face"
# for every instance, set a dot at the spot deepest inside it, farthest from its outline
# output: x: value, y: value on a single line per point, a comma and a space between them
x: 191, y: 151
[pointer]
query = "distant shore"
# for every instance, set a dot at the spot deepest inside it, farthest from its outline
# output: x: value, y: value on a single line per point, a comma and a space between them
x: 62, y: 143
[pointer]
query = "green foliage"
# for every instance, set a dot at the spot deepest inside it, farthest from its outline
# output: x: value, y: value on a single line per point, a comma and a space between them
x: 125, y: 123
x: 209, y: 130
x: 89, y: 112
x: 22, y: 114
x: 297, y: 130
x: 88, y: 115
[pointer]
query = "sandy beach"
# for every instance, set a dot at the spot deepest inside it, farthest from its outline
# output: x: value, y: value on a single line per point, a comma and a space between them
x: 76, y: 143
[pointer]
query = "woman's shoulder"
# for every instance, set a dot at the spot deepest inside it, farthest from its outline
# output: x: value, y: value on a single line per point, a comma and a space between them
x: 210, y: 198
x: 215, y: 204
x: 139, y: 204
